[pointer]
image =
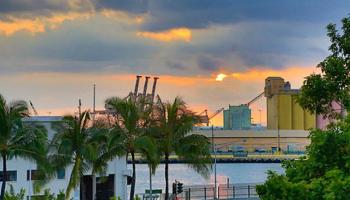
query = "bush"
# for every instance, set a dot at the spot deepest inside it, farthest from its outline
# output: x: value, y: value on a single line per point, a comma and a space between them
x: 324, y: 174
x: 11, y: 195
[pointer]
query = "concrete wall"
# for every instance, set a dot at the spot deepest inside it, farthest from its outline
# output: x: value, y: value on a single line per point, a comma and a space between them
x: 271, y: 112
x: 298, y: 116
x: 258, y: 139
x: 283, y: 112
x: 284, y: 104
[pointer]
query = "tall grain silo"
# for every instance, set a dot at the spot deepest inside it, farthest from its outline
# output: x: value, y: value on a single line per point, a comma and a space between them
x: 283, y: 112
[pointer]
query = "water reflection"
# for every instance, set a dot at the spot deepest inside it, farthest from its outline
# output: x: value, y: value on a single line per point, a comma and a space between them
x: 233, y: 173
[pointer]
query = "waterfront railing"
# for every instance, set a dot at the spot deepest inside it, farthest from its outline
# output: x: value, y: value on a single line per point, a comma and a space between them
x: 224, y: 192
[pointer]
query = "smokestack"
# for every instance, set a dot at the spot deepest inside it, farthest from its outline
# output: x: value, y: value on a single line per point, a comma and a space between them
x: 145, y: 86
x: 154, y: 87
x: 137, y: 85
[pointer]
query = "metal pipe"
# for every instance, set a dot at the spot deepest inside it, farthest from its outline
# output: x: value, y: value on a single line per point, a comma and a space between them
x: 137, y: 86
x: 154, y: 87
x: 145, y: 86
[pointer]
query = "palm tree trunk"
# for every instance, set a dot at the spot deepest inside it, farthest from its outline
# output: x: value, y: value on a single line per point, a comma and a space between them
x: 133, y: 181
x: 166, y: 176
x: 4, y: 177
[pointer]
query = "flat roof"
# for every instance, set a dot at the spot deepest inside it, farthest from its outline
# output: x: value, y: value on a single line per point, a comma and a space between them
x: 43, y: 118
x: 253, y: 133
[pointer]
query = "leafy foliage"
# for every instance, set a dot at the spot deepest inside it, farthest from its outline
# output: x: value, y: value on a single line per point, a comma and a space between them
x: 173, y: 123
x: 133, y: 118
x: 77, y: 143
x: 333, y: 84
x: 323, y: 174
x: 12, y: 195
x: 18, y: 138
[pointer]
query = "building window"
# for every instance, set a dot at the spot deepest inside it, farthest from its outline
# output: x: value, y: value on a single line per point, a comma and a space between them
x: 61, y: 174
x: 35, y: 175
x: 11, y: 176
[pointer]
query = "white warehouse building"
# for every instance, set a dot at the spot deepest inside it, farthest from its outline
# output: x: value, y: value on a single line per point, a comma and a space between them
x: 19, y: 176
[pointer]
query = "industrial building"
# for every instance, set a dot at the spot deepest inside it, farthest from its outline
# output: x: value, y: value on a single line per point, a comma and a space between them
x: 283, y: 112
x: 252, y: 140
x: 237, y: 118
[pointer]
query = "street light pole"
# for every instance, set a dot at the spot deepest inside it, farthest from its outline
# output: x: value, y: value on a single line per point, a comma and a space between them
x: 214, y: 151
x: 150, y: 182
x: 260, y: 117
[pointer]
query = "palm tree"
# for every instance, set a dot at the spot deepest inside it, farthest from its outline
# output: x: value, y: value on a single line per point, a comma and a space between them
x: 132, y: 120
x: 173, y: 124
x: 17, y: 138
x: 76, y: 144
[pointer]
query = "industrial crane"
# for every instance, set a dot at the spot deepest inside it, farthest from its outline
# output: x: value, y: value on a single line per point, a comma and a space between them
x: 33, y: 108
x: 205, y: 118
x: 135, y: 94
x: 255, y: 99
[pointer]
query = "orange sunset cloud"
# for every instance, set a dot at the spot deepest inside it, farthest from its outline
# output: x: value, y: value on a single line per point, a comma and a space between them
x: 176, y: 34
x: 119, y: 15
x: 38, y: 24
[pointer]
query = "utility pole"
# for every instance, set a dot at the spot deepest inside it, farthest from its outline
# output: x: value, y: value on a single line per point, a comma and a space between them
x: 93, y: 177
x: 214, y: 150
x: 150, y: 182
x: 94, y: 104
x: 79, y: 107
x: 260, y: 117
x: 278, y: 126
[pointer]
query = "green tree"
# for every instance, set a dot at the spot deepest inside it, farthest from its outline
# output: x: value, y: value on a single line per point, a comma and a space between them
x: 324, y: 173
x: 172, y: 127
x: 333, y: 83
x: 133, y: 119
x: 18, y: 138
x: 76, y: 144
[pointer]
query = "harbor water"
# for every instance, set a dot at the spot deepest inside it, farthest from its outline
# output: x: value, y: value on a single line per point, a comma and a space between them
x: 226, y: 172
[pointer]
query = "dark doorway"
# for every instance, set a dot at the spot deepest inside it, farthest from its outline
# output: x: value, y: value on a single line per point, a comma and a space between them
x: 104, y: 188
x: 86, y: 188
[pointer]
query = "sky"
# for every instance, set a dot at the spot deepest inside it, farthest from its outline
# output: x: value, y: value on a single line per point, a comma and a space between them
x: 211, y: 53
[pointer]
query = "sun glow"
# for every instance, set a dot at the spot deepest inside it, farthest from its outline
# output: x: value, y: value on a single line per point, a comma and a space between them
x: 220, y: 77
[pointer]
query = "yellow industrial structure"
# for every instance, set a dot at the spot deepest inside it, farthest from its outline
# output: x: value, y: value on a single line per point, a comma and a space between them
x: 283, y: 112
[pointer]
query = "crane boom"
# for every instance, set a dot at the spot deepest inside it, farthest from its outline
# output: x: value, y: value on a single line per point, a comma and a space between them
x: 255, y: 99
x: 33, y: 108
x: 205, y: 119
x: 216, y: 113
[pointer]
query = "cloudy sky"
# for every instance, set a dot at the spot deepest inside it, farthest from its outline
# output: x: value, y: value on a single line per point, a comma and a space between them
x: 53, y: 51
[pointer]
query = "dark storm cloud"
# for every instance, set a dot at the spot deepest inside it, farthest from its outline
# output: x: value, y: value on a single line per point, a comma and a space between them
x: 175, y: 65
x: 208, y: 63
x: 16, y: 6
x: 166, y: 14
x: 30, y: 9
x: 265, y: 33
x: 131, y: 6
